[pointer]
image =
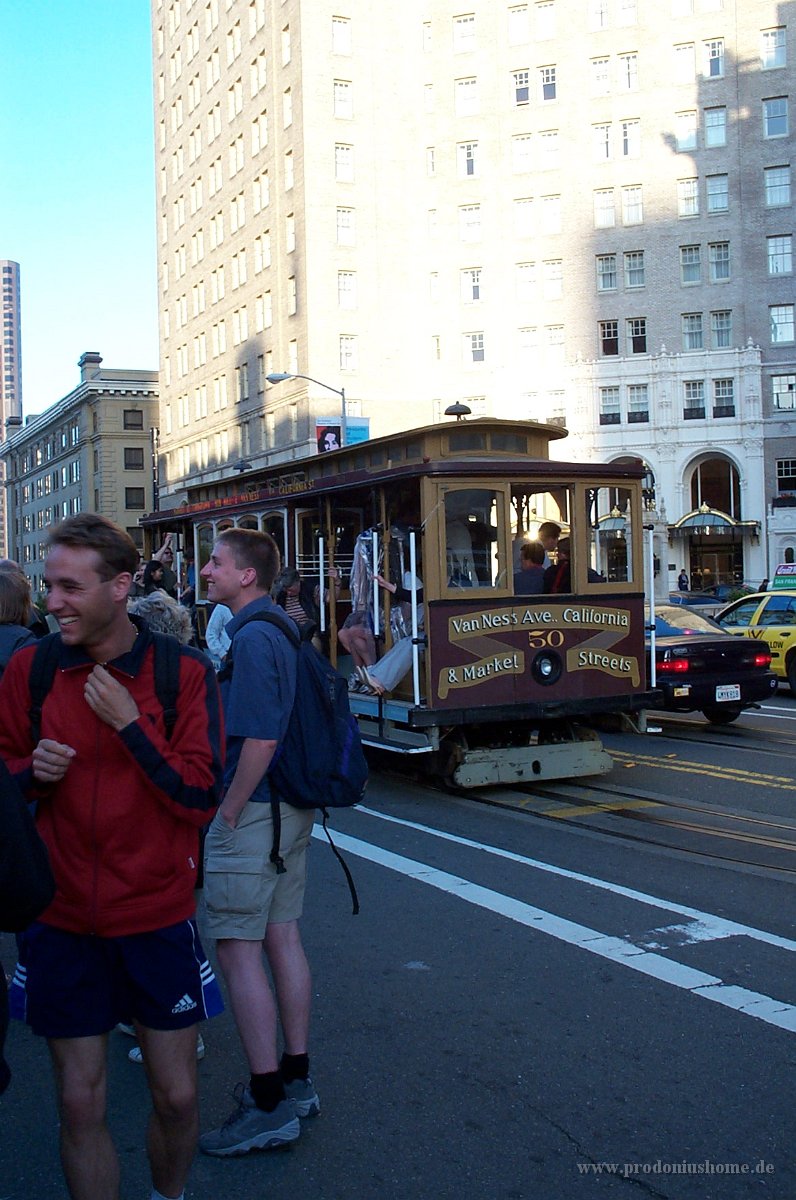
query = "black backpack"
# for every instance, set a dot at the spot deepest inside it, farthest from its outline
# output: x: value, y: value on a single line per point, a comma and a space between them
x: 320, y: 762
x: 166, y: 668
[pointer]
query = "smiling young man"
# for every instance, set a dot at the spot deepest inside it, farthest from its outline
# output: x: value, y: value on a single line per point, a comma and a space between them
x: 248, y: 906
x: 120, y: 804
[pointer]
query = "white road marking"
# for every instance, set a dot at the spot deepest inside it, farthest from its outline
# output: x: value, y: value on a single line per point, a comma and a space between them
x: 708, y: 927
x: 619, y: 950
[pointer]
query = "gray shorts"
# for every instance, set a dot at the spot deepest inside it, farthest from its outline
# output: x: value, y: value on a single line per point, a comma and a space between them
x: 242, y: 891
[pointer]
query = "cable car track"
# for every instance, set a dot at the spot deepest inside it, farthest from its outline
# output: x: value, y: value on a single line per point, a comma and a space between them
x: 606, y: 810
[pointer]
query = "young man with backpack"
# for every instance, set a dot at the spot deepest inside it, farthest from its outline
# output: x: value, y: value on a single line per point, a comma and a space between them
x: 250, y: 904
x: 125, y: 772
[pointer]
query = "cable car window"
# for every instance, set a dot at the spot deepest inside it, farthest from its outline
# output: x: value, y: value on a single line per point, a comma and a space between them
x: 473, y: 518
x: 540, y: 518
x: 514, y: 443
x: 610, y: 544
x: 274, y: 523
x: 466, y: 439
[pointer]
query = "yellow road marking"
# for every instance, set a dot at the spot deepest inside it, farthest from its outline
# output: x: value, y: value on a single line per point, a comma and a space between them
x: 784, y: 782
x: 588, y: 809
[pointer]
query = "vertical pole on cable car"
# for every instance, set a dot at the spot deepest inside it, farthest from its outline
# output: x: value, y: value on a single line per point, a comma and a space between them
x: 651, y: 576
x: 321, y: 588
x: 415, y: 646
x: 374, y: 571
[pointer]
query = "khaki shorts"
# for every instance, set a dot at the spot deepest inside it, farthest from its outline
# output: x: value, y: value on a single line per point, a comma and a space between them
x: 242, y: 891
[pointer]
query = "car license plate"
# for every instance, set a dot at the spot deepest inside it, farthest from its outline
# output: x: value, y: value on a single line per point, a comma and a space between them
x: 729, y: 691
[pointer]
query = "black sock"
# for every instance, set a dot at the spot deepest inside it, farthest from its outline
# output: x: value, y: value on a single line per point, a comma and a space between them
x: 294, y: 1066
x: 267, y: 1090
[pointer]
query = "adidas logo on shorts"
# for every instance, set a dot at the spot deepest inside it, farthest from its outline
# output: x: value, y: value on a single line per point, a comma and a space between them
x: 184, y: 1005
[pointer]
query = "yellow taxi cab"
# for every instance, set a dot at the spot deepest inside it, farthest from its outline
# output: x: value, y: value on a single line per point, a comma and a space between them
x: 769, y: 617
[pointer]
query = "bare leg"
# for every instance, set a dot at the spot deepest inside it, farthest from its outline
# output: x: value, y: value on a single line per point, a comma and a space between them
x: 293, y: 983
x: 252, y: 1001
x: 173, y: 1129
x: 88, y: 1156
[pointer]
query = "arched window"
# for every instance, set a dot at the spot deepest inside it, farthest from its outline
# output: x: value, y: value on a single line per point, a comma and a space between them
x: 716, y: 482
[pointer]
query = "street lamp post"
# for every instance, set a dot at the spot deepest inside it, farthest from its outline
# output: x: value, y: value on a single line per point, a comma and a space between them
x: 281, y: 376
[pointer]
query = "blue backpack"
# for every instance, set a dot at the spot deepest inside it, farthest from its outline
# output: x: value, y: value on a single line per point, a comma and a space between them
x: 319, y: 762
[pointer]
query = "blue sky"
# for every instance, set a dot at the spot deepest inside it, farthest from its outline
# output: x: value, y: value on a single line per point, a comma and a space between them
x: 77, y: 201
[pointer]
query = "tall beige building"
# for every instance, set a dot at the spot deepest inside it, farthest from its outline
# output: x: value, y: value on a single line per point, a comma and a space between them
x: 573, y: 210
x: 10, y: 370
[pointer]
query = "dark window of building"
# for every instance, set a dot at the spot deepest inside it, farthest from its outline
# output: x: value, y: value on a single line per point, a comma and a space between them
x: 134, y: 497
x: 133, y: 418
x: 134, y: 458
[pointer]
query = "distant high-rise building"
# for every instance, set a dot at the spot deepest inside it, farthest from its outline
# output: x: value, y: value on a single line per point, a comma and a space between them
x: 580, y: 212
x: 10, y: 373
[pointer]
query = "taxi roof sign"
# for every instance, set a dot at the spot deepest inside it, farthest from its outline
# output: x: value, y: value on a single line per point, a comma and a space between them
x: 784, y: 576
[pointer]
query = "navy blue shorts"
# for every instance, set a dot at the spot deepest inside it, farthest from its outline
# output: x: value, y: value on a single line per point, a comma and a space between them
x: 77, y: 985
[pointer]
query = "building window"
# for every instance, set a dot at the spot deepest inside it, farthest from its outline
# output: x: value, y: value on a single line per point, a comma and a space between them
x: 723, y: 398
x: 721, y: 329
x: 638, y: 407
x: 781, y: 316
x: 545, y: 20
x: 601, y: 141
x: 553, y: 276
x: 474, y: 347
x: 346, y: 227
x: 604, y: 209
x: 688, y: 197
x: 523, y: 218
x: 632, y: 205
x: 349, y: 359
x: 773, y: 51
x: 134, y: 497
x: 637, y: 335
x: 471, y: 285
x: 133, y: 418
x: 610, y: 410
x: 343, y: 99
x: 714, y: 59
x: 690, y: 264
x: 464, y: 33
x: 719, y: 255
x: 694, y: 400
x: 777, y: 186
x: 631, y: 139
x: 466, y: 97
x: 550, y: 221
x: 466, y: 158
x: 786, y: 479
x: 628, y: 72
x: 470, y: 222
x: 347, y: 289
x: 133, y: 458
x: 780, y: 255
x: 547, y: 83
x: 718, y: 193
x: 692, y: 331
x: 775, y: 117
x: 783, y: 388
x: 521, y: 87
x: 606, y: 272
x: 715, y: 127
x: 684, y: 63
x: 521, y: 153
x: 525, y: 281
x: 609, y: 338
x: 344, y: 163
x: 600, y: 76
x: 341, y: 35
x: 634, y: 269
x: 685, y: 130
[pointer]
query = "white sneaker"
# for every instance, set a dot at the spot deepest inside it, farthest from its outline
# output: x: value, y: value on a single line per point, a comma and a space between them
x: 136, y: 1056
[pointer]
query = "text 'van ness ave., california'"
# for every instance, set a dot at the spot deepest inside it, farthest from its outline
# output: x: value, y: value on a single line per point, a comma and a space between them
x: 555, y: 616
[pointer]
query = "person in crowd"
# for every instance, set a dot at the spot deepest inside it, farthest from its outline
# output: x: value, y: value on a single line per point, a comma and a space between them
x: 388, y: 672
x: 558, y: 578
x: 137, y: 586
x: 153, y: 577
x: 217, y: 639
x: 163, y: 615
x: 301, y: 599
x: 529, y: 580
x: 38, y: 624
x: 240, y: 574
x: 165, y: 556
x: 682, y: 580
x: 119, y: 941
x: 549, y: 534
x: 15, y: 609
